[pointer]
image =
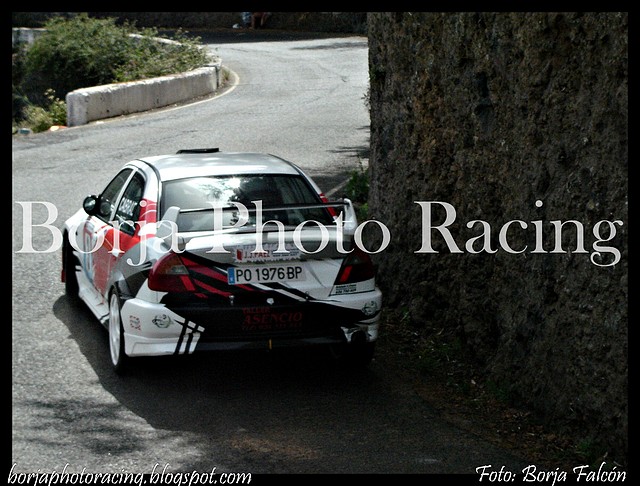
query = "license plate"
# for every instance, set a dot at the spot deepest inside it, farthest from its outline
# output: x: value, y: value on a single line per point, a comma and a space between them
x: 265, y: 274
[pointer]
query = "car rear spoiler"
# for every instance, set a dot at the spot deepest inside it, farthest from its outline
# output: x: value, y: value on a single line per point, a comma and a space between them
x: 199, y: 151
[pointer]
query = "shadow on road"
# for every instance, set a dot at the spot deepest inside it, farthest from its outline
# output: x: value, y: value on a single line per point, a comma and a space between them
x: 250, y: 404
x: 292, y: 411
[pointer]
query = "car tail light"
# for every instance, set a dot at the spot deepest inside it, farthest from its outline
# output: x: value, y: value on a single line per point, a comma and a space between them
x: 169, y: 274
x: 357, y: 267
x: 332, y: 210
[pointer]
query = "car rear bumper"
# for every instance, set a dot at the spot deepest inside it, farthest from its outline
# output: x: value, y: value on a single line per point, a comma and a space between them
x: 153, y: 329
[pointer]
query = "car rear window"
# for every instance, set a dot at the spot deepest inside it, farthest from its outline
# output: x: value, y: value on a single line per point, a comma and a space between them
x: 197, y: 196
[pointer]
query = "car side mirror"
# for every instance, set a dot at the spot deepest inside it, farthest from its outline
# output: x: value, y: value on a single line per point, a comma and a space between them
x: 90, y: 205
x: 94, y: 205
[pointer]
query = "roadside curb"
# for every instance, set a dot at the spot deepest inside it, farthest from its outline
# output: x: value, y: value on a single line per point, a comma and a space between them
x: 110, y: 100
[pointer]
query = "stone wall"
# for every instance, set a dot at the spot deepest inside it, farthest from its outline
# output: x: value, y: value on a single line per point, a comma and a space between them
x: 490, y: 113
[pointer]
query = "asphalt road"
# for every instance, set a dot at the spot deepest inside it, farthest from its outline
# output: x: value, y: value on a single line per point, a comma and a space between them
x: 263, y: 413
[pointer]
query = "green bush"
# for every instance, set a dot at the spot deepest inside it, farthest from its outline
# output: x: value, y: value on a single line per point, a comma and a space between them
x: 150, y: 58
x: 39, y: 118
x: 357, y: 189
x: 80, y: 52
x: 74, y: 53
x: 358, y: 186
x: 57, y: 108
x: 18, y: 99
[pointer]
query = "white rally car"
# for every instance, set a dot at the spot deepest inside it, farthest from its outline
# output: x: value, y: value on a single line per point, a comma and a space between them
x: 204, y: 250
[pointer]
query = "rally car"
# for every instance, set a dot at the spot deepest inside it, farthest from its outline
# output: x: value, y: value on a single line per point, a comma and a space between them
x: 204, y: 250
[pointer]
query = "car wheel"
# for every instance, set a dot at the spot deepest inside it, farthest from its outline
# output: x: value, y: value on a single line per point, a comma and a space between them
x: 116, y: 334
x: 70, y: 279
x: 359, y: 355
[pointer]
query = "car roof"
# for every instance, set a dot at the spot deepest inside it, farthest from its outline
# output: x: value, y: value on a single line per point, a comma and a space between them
x: 204, y: 164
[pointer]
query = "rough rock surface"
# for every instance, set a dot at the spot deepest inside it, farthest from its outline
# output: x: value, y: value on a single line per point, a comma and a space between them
x: 490, y: 113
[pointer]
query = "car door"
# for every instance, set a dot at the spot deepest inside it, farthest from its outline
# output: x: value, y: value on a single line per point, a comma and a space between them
x: 100, y: 235
x: 127, y: 222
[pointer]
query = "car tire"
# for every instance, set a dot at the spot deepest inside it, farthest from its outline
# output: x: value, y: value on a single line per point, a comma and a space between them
x: 359, y: 355
x: 71, y: 288
x: 118, y: 357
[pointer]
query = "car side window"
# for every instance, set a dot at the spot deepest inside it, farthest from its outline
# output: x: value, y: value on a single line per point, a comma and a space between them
x: 109, y: 196
x: 128, y: 210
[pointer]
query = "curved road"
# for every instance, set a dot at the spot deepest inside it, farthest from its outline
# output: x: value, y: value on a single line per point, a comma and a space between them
x: 258, y: 413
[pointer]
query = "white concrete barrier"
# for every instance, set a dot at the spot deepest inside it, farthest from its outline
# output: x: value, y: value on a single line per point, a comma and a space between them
x: 109, y: 100
x: 98, y: 102
x: 25, y: 35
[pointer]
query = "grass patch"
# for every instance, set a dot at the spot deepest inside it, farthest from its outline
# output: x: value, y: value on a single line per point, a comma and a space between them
x: 40, y: 119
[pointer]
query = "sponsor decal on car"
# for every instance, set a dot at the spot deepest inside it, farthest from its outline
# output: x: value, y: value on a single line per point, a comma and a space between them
x: 353, y: 288
x: 370, y: 308
x: 267, y: 319
x: 134, y: 322
x: 271, y: 253
x: 162, y: 321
